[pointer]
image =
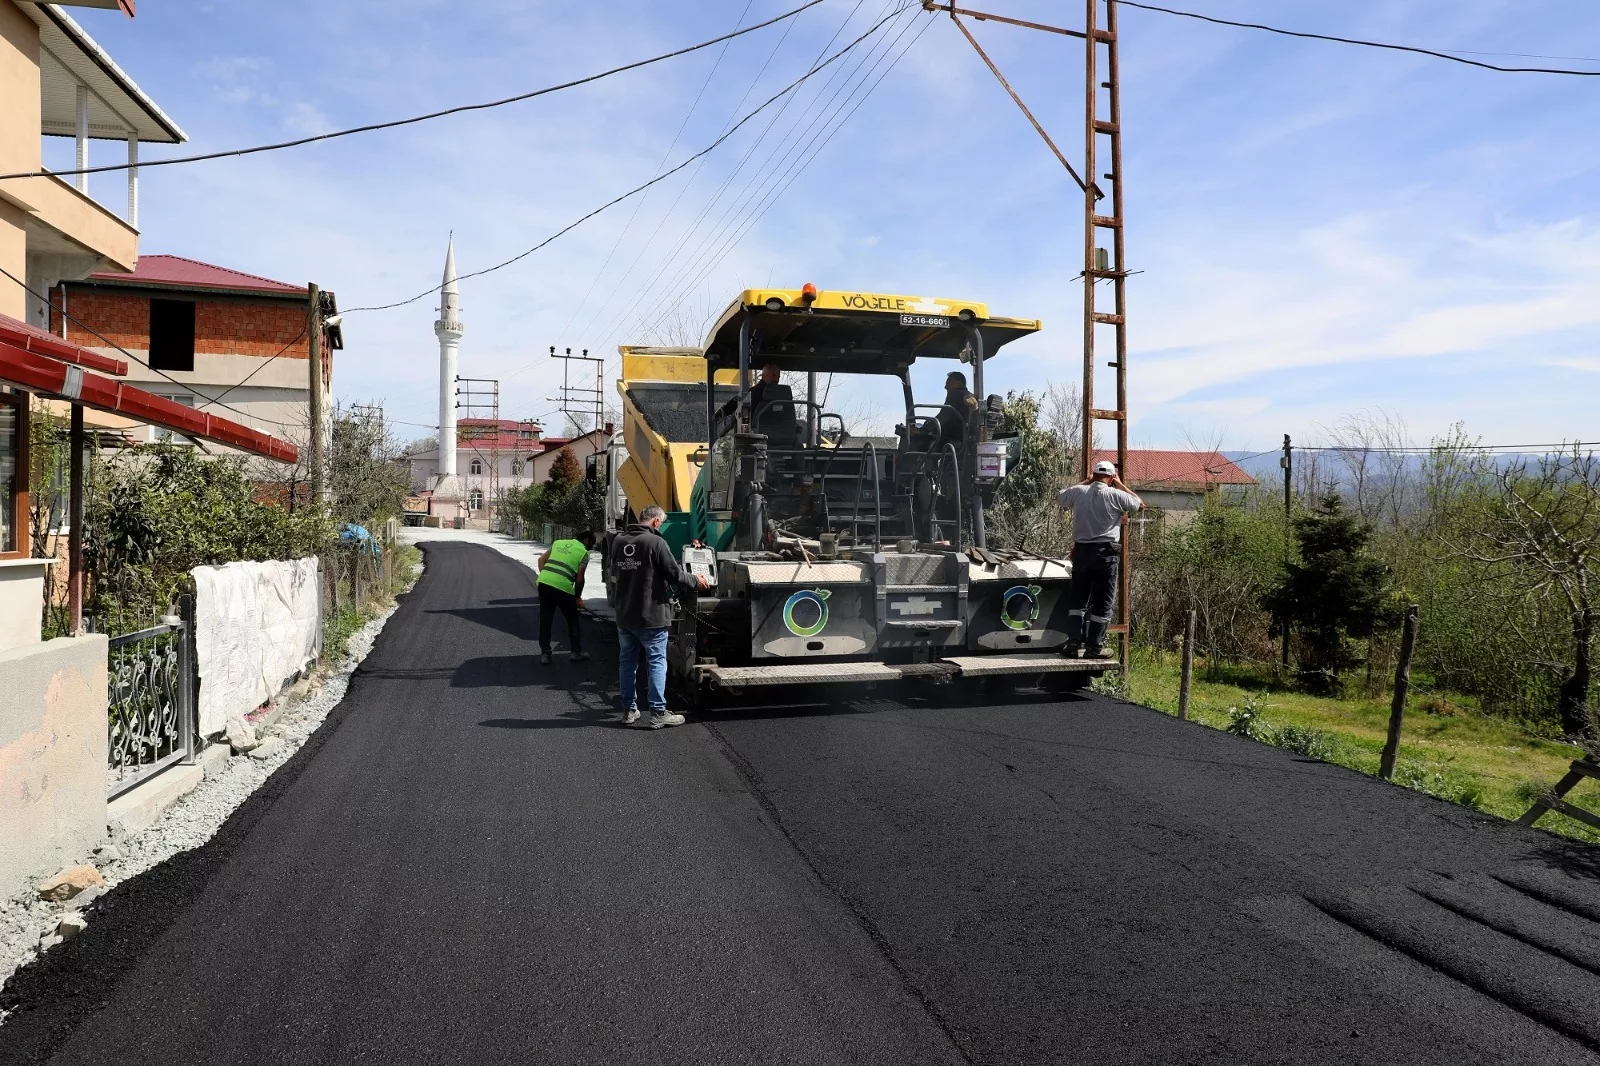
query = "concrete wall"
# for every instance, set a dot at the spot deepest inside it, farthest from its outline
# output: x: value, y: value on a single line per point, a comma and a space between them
x: 52, y: 757
x: 21, y: 603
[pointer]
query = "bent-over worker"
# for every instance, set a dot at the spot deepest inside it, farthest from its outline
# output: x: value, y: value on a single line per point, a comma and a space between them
x: 561, y: 570
x: 1097, y: 508
x: 644, y: 572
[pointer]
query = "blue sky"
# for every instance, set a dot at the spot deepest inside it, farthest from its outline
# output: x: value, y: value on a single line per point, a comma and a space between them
x: 1322, y: 230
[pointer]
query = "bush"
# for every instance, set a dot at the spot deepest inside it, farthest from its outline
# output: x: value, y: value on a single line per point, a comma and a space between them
x: 156, y: 512
x: 1312, y: 743
x: 1440, y: 783
x: 1246, y: 722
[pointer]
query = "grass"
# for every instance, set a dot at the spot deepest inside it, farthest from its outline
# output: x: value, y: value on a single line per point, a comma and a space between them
x: 338, y: 628
x: 1447, y: 748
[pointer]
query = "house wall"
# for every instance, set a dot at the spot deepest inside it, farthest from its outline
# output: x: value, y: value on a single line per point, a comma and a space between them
x: 19, y: 144
x: 237, y: 339
x: 52, y: 757
x: 222, y: 326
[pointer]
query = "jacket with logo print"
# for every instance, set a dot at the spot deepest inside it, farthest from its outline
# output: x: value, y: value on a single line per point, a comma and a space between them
x: 645, y: 571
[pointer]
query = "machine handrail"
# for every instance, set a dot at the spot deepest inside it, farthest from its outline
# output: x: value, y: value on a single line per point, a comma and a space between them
x: 877, y: 493
x: 955, y: 462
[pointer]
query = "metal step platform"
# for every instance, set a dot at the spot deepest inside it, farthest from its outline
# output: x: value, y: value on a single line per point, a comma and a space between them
x: 814, y: 673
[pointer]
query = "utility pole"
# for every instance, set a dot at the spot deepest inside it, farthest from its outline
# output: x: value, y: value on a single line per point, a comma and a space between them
x: 1287, y: 462
x: 575, y: 399
x: 314, y: 357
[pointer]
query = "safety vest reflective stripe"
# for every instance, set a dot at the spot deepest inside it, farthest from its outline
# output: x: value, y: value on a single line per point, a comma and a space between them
x: 560, y: 571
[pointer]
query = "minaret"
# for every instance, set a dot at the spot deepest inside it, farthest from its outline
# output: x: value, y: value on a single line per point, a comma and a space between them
x: 448, y: 329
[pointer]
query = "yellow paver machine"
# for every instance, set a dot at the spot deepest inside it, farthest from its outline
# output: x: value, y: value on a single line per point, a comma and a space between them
x: 836, y: 559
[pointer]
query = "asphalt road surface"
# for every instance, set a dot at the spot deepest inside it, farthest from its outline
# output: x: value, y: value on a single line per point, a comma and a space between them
x: 472, y: 863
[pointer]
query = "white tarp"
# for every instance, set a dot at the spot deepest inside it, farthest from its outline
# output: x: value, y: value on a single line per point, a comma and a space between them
x: 256, y: 626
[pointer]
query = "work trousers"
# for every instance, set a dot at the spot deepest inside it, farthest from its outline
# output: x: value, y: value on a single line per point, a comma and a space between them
x: 1095, y: 566
x: 650, y: 645
x: 552, y: 600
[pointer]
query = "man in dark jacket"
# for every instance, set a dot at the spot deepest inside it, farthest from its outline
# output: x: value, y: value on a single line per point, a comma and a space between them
x: 959, y: 403
x: 645, y: 570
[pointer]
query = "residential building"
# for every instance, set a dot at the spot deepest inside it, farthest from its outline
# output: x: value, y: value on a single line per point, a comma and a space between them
x: 493, y: 457
x: 1175, y: 484
x: 211, y: 336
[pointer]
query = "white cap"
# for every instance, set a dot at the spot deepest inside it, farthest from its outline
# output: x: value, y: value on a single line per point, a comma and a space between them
x: 1106, y: 466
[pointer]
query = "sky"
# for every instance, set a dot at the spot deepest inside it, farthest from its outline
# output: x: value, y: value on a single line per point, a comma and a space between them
x: 1319, y: 231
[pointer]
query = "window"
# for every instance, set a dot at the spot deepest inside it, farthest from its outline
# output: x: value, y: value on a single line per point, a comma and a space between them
x: 475, y: 500
x: 516, y: 468
x: 13, y: 472
x: 171, y: 335
x: 476, y: 467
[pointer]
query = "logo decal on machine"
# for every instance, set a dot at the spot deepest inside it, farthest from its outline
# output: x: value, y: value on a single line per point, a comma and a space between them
x: 806, y: 613
x: 1019, y: 607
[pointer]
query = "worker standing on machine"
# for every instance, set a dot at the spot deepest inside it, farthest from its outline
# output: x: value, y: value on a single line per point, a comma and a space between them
x: 1097, y: 507
x: 561, y: 570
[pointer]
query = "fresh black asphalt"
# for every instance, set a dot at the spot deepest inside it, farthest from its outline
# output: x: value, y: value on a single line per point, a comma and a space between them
x: 472, y: 863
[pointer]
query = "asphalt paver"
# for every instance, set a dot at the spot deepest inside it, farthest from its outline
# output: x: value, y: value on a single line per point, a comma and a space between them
x: 472, y: 862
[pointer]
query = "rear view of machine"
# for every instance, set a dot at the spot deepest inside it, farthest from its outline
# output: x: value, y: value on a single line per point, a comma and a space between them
x: 837, y: 558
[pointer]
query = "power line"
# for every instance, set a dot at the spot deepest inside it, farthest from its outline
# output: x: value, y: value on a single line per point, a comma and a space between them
x: 770, y: 192
x: 648, y: 293
x: 639, y: 188
x: 188, y: 387
x: 1366, y: 44
x: 639, y: 203
x: 370, y: 127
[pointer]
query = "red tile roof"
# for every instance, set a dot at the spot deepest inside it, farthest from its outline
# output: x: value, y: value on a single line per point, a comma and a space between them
x: 180, y: 273
x: 1192, y: 471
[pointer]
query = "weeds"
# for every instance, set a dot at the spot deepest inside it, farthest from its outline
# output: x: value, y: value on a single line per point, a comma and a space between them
x: 1312, y: 743
x: 1441, y: 783
x: 1245, y: 721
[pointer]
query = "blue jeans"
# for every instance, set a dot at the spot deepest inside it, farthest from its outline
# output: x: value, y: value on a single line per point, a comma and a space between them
x: 653, y: 643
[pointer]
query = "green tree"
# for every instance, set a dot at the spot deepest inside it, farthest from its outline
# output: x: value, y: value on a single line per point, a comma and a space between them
x: 564, y: 472
x: 1337, y: 593
x: 1025, y: 513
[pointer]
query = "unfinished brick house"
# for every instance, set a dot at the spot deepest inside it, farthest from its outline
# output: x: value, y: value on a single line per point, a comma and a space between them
x: 211, y: 335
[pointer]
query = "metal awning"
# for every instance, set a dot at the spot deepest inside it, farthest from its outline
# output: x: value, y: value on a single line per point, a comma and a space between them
x: 27, y: 361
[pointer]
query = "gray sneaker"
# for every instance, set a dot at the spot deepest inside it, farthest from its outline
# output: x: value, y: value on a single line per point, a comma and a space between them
x: 577, y: 656
x: 544, y: 657
x: 630, y: 716
x: 662, y: 721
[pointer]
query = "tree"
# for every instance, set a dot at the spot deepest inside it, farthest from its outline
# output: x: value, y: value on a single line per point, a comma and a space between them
x: 1540, y: 538
x: 368, y: 480
x: 564, y: 473
x: 1337, y: 592
x: 1025, y: 513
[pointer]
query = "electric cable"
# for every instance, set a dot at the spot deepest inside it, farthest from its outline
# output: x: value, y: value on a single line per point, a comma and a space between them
x: 638, y: 204
x: 684, y: 188
x: 1365, y: 44
x: 637, y: 189
x: 109, y: 343
x: 655, y: 303
x: 771, y: 192
x: 647, y: 291
x: 391, y: 124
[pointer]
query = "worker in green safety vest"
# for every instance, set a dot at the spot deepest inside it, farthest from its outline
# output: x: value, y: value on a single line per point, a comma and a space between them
x: 561, y: 570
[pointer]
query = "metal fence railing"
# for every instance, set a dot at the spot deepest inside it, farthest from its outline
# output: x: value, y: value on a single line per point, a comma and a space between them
x: 151, y: 690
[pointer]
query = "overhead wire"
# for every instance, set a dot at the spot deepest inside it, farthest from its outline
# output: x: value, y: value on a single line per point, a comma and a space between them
x: 773, y: 192
x: 1435, y: 53
x: 649, y: 287
x: 109, y: 343
x: 688, y: 183
x: 429, y: 116
x: 638, y: 204
x: 656, y: 302
x: 657, y: 299
x: 636, y: 189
